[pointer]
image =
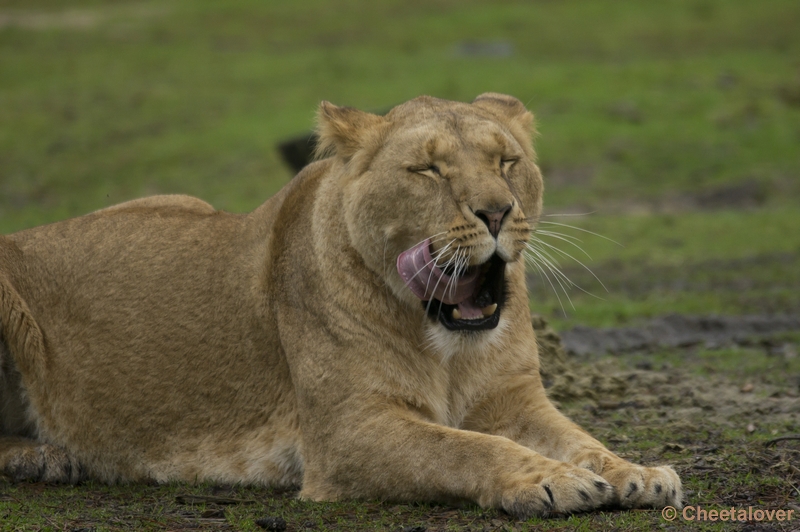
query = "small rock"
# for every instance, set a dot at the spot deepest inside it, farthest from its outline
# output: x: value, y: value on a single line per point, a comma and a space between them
x: 273, y: 524
x: 747, y: 388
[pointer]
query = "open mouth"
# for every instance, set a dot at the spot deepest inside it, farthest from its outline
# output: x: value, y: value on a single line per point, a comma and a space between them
x: 469, y: 301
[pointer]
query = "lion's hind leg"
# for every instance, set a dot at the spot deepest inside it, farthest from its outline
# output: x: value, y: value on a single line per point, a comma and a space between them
x: 24, y: 459
x: 21, y: 457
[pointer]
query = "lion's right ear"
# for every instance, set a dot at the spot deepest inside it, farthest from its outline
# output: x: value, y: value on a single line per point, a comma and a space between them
x: 508, y: 108
x: 343, y: 130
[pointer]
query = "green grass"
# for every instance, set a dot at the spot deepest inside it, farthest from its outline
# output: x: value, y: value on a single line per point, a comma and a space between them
x: 639, y: 99
x: 722, y: 262
x: 645, y: 111
x: 638, y: 104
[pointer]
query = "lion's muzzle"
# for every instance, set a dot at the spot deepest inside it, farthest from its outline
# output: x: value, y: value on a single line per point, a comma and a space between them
x: 462, y: 299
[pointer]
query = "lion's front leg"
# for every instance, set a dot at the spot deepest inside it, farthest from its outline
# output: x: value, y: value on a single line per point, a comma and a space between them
x: 520, y: 410
x: 398, y: 456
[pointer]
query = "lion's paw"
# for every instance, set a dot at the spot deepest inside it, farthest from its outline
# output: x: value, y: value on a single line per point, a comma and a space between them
x: 643, y: 487
x: 42, y: 463
x: 569, y: 491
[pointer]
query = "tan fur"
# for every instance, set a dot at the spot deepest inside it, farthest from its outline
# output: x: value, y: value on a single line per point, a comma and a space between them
x: 160, y: 339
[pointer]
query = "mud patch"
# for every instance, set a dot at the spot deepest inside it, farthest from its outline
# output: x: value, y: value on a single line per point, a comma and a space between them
x: 734, y: 441
x: 678, y: 331
x: 671, y: 392
x: 747, y: 194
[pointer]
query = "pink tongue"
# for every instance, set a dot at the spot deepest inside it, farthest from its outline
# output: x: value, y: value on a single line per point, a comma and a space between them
x: 416, y: 267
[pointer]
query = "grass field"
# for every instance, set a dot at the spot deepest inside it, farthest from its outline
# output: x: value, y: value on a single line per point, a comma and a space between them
x: 671, y: 128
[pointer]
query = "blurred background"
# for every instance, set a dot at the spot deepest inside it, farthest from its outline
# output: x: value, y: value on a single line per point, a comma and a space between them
x: 671, y: 127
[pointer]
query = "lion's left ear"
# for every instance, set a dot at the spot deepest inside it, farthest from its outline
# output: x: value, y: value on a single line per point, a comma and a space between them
x: 507, y: 108
x: 343, y: 130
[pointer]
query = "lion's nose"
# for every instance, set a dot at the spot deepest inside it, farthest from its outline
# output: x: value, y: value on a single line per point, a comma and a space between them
x: 493, y: 218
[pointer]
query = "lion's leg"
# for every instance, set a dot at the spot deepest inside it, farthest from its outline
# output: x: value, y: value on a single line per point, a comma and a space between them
x: 21, y: 457
x: 24, y: 459
x: 521, y: 411
x: 398, y: 456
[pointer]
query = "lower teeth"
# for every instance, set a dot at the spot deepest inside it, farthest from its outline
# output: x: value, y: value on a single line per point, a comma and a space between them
x: 486, y: 311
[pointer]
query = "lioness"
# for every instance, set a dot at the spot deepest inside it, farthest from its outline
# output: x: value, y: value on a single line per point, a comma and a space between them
x: 363, y: 334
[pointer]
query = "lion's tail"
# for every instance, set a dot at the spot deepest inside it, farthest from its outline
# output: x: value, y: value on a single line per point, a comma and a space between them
x: 19, y: 330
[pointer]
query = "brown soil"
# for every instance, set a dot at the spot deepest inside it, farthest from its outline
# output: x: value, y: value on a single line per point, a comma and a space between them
x: 678, y: 331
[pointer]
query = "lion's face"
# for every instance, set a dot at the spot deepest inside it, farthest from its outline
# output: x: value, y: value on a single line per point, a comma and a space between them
x: 439, y: 198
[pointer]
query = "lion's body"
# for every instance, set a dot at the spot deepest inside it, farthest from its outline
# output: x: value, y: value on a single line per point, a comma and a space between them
x: 160, y: 339
x: 153, y: 339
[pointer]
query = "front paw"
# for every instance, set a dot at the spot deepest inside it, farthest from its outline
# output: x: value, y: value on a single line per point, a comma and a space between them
x: 643, y: 487
x: 565, y: 491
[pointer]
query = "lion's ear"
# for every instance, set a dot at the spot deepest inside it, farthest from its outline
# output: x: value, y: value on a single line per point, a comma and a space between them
x: 343, y: 130
x: 507, y: 108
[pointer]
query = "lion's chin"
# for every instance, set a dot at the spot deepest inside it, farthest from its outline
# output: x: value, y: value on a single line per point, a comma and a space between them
x: 481, y: 310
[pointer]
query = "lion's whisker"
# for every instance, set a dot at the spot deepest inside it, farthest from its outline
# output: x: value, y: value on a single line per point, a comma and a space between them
x: 432, y: 261
x: 435, y: 258
x: 558, y: 275
x: 564, y: 253
x: 563, y: 238
x: 451, y: 278
x: 557, y: 215
x: 549, y: 260
x: 583, y: 230
x: 436, y: 265
x: 551, y: 263
x: 531, y: 260
x: 431, y: 239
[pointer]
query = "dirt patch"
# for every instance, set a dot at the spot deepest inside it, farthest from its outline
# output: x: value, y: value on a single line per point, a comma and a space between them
x: 747, y: 194
x: 616, y: 382
x: 678, y: 331
x: 75, y: 19
x: 734, y: 441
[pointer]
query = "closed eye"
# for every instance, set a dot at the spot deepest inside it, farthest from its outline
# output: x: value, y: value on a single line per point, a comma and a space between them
x: 506, y: 164
x: 430, y: 170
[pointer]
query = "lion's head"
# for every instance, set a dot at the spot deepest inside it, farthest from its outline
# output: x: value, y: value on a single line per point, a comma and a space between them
x: 439, y: 198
